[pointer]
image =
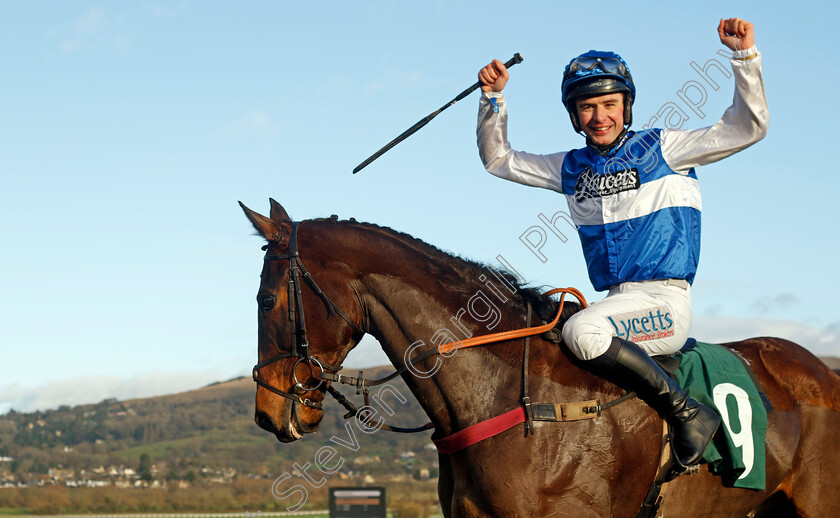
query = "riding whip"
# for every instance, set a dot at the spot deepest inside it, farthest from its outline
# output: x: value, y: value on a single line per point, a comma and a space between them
x: 517, y: 58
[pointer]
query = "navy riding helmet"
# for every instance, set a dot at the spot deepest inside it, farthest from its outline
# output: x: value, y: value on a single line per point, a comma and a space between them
x: 597, y: 73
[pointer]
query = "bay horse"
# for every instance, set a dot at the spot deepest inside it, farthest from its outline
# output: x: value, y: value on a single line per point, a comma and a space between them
x: 362, y: 278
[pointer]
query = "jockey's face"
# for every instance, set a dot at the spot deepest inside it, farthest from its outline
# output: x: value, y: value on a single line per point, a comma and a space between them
x: 601, y: 117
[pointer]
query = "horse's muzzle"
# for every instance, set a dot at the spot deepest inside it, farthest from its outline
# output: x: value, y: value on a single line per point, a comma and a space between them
x: 288, y: 433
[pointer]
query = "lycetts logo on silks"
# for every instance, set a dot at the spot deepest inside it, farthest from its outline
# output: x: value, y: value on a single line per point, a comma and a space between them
x: 590, y: 185
x: 641, y: 326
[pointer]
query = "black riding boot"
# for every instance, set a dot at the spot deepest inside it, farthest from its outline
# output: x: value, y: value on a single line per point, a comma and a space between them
x: 629, y: 367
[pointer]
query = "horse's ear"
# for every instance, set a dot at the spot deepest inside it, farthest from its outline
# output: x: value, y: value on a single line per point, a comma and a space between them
x: 269, y: 229
x: 278, y: 213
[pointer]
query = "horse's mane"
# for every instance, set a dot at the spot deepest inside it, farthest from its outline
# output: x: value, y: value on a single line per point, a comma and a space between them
x: 469, y: 269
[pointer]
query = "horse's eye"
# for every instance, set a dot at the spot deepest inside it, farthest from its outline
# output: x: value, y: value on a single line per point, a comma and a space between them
x: 266, y: 302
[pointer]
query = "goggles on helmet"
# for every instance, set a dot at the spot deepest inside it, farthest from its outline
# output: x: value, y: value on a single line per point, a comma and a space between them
x: 607, y: 64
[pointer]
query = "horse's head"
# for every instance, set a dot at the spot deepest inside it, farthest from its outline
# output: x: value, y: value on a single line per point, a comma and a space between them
x: 308, y: 321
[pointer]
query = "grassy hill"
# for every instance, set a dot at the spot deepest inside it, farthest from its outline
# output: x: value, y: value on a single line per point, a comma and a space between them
x: 204, y: 440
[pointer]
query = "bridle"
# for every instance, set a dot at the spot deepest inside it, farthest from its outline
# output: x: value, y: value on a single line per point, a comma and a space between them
x: 300, y: 345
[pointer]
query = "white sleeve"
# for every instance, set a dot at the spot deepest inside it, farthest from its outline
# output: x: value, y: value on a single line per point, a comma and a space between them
x: 499, y: 159
x: 743, y: 124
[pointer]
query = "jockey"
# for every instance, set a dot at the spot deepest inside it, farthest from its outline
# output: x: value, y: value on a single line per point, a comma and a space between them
x: 636, y: 201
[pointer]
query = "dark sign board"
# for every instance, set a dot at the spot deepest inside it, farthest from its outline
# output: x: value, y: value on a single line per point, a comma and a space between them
x: 357, y: 502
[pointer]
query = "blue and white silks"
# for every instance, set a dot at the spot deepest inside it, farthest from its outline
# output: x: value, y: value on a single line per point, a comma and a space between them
x: 638, y: 210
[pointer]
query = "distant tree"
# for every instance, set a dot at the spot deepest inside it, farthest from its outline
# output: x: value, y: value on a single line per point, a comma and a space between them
x: 40, y: 467
x: 145, y: 470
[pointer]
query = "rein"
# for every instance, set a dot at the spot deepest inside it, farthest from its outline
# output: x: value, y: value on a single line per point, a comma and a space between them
x: 528, y: 412
x: 360, y: 383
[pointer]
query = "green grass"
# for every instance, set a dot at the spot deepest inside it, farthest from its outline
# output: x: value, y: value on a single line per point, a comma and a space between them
x: 231, y: 443
x: 224, y: 441
x: 11, y: 511
x: 155, y: 450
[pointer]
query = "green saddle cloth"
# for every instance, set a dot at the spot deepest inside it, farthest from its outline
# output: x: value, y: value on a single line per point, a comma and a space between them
x: 715, y: 376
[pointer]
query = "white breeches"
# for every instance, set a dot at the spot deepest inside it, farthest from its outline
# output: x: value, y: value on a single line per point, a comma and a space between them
x: 656, y: 315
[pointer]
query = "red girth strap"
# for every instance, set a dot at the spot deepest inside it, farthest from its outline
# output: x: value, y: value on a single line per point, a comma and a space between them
x: 480, y: 431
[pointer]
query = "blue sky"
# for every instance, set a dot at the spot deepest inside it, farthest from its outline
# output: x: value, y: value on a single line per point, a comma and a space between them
x: 130, y: 130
